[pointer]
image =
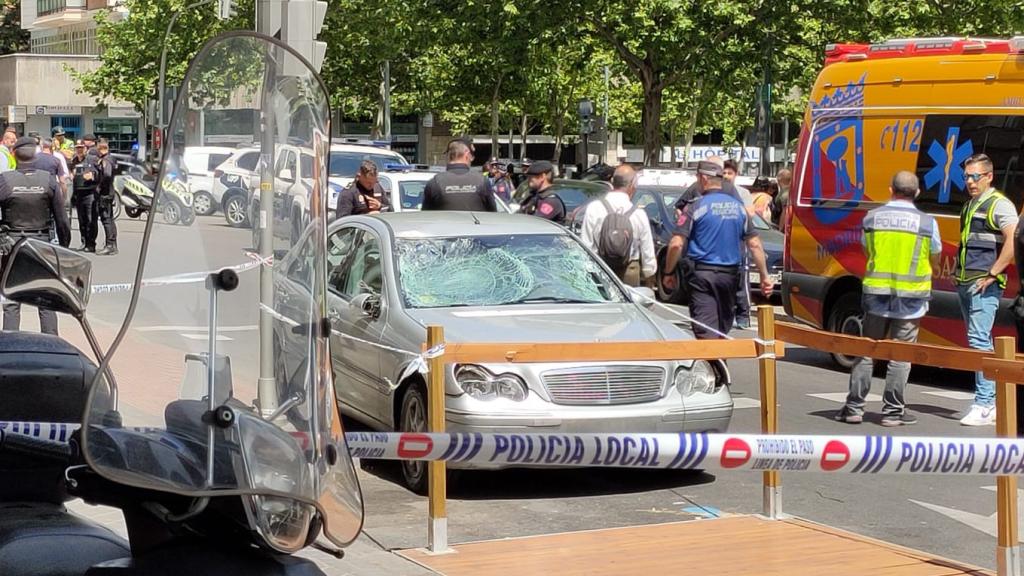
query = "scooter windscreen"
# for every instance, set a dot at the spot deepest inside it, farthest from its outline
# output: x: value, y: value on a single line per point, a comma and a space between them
x: 236, y: 394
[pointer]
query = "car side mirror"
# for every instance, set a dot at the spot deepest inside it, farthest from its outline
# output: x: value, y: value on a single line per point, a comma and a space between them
x: 47, y: 276
x: 369, y: 305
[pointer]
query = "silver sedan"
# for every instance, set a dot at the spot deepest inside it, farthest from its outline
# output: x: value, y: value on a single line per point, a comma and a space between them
x: 500, y: 278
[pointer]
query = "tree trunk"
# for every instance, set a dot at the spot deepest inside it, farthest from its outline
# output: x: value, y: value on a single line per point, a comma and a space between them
x: 651, y: 117
x: 672, y: 143
x: 691, y: 127
x: 495, y: 118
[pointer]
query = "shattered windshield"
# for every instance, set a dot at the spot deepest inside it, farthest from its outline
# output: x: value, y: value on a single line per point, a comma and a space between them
x: 500, y: 270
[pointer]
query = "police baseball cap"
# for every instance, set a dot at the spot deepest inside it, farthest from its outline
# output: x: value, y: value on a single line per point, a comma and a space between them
x: 709, y: 169
x: 540, y: 167
x: 89, y: 137
x: 80, y: 144
x: 57, y: 131
x: 24, y: 141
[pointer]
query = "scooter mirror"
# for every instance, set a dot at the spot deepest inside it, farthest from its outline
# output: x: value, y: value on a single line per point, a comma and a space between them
x: 47, y: 276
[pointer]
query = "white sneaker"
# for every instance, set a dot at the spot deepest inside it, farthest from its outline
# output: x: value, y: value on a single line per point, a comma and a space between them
x: 980, y: 416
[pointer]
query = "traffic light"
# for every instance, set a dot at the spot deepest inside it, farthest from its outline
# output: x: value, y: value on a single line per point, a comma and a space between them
x: 303, y: 21
x: 226, y: 9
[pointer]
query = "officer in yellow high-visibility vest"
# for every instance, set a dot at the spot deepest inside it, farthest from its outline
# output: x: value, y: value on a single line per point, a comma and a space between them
x: 987, y: 223
x: 902, y: 246
x: 7, y: 162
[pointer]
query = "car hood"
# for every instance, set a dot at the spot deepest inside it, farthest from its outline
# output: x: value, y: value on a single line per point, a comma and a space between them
x: 548, y: 323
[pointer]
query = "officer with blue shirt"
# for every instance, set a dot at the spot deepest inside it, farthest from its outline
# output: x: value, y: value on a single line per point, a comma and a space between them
x: 712, y: 233
x: 902, y: 245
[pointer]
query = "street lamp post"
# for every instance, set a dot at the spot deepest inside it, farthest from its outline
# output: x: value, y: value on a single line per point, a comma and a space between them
x: 586, y: 111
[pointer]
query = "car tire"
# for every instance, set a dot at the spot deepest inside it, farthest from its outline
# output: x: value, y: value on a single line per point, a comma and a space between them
x: 132, y: 212
x: 188, y: 216
x: 171, y: 212
x: 846, y: 317
x: 236, y: 213
x: 203, y: 203
x: 412, y: 417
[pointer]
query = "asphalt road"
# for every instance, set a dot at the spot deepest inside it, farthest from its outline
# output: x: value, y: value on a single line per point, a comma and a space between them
x: 949, y: 516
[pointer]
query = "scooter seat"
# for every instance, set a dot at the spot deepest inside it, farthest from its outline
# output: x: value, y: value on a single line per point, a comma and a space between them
x: 47, y: 540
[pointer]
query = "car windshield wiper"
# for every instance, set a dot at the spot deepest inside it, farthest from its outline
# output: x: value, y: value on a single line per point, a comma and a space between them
x: 555, y: 300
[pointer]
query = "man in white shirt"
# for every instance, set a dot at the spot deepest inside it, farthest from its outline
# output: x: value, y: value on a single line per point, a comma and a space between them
x: 641, y: 262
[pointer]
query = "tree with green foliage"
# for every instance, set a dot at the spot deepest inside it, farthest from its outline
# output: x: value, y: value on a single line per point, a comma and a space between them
x: 12, y: 37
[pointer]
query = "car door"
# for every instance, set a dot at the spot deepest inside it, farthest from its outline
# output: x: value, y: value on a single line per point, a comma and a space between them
x: 285, y: 177
x: 354, y: 256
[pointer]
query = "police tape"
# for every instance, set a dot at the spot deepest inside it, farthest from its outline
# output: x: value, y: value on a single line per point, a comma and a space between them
x: 183, y: 278
x: 751, y: 452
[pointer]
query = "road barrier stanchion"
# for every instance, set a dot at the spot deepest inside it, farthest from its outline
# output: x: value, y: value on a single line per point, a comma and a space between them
x: 1007, y: 549
x: 437, y: 530
x: 772, y: 497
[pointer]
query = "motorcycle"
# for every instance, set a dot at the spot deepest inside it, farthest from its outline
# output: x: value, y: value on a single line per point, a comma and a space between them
x: 136, y: 195
x: 229, y: 462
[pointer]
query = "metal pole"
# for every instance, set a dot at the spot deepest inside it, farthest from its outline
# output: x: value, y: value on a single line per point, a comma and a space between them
x: 437, y: 488
x: 211, y: 374
x: 772, y: 498
x: 266, y: 389
x: 387, y: 101
x: 607, y: 131
x: 1007, y: 548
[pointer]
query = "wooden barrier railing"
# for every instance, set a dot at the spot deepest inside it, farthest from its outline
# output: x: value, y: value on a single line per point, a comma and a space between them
x: 1003, y: 366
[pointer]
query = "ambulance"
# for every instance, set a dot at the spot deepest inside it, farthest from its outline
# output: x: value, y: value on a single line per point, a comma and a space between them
x: 923, y: 105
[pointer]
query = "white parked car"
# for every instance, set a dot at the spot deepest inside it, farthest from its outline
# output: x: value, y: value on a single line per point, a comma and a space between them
x: 405, y: 186
x: 201, y: 163
x: 231, y: 181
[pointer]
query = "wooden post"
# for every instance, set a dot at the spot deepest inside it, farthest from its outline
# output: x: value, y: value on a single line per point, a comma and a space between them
x: 772, y: 497
x: 1007, y: 549
x: 437, y: 530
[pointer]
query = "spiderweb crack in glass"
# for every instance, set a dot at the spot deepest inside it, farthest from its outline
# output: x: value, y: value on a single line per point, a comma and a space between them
x: 498, y: 270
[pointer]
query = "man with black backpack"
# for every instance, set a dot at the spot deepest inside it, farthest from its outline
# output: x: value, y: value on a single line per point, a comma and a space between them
x: 621, y: 234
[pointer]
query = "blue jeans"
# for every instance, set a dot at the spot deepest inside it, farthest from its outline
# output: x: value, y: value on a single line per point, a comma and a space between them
x: 979, y: 313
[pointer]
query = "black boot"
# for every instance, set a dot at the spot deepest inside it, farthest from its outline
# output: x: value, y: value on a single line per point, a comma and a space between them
x: 109, y: 250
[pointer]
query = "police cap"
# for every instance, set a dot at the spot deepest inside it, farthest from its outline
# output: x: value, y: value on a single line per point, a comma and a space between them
x: 80, y: 144
x: 24, y: 141
x: 540, y: 167
x: 57, y: 131
x: 709, y: 169
x: 89, y: 137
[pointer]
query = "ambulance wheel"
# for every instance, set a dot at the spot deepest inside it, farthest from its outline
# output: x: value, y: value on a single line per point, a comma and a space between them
x: 846, y: 317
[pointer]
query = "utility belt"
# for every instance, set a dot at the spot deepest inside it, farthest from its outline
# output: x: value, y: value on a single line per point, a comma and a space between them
x: 702, y: 267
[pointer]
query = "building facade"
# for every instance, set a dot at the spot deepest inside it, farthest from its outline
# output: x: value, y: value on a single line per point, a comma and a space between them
x: 39, y: 93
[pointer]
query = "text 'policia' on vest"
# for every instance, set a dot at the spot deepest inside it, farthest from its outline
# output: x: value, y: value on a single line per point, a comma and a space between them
x: 898, y: 241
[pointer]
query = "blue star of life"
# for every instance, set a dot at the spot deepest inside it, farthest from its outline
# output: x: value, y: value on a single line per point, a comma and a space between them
x: 949, y: 167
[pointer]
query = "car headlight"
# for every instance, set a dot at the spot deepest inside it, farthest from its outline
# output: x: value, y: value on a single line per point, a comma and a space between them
x: 698, y: 378
x: 479, y: 383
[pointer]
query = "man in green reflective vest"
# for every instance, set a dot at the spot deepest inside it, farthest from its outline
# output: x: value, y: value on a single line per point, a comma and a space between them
x: 902, y: 246
x: 987, y: 223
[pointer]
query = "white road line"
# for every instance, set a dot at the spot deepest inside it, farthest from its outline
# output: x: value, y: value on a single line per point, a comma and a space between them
x: 840, y: 397
x: 739, y: 403
x: 246, y: 328
x: 951, y: 394
x: 206, y: 337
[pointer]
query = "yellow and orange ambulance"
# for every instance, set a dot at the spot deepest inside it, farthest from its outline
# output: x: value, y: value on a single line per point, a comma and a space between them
x: 923, y: 105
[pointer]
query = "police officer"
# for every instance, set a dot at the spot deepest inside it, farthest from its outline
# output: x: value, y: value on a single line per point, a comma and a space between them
x: 543, y: 201
x: 30, y: 201
x: 498, y: 180
x: 903, y: 246
x: 458, y: 187
x: 61, y: 144
x: 85, y: 178
x: 364, y: 195
x: 105, y: 198
x: 987, y: 223
x: 712, y: 233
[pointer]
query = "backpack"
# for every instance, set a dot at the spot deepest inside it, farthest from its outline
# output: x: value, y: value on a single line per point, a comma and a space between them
x: 615, y: 241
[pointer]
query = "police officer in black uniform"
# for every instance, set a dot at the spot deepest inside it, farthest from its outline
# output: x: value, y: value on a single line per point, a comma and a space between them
x: 459, y: 188
x: 543, y: 201
x: 30, y: 201
x: 84, y: 180
x: 364, y: 195
x: 104, y: 208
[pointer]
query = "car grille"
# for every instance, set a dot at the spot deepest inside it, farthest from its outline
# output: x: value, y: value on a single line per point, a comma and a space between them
x: 604, y: 385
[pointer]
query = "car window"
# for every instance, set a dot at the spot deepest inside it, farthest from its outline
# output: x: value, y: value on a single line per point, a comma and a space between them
x: 364, y: 270
x: 301, y: 268
x: 248, y: 161
x: 286, y: 166
x: 648, y: 203
x: 345, y: 164
x: 384, y: 182
x: 307, y: 166
x: 411, y: 193
x: 214, y: 160
x: 339, y: 249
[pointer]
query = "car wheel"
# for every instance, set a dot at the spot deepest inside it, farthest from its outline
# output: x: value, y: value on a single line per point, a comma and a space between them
x: 235, y: 211
x: 413, y: 418
x: 846, y: 317
x: 132, y: 212
x: 188, y: 216
x: 203, y: 203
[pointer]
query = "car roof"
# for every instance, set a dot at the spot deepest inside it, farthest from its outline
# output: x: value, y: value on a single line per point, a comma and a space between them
x: 406, y: 175
x: 209, y: 150
x: 443, y: 224
x: 364, y: 149
x: 584, y: 184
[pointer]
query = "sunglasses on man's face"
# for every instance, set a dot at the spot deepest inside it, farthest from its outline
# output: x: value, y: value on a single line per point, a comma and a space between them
x: 977, y: 176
